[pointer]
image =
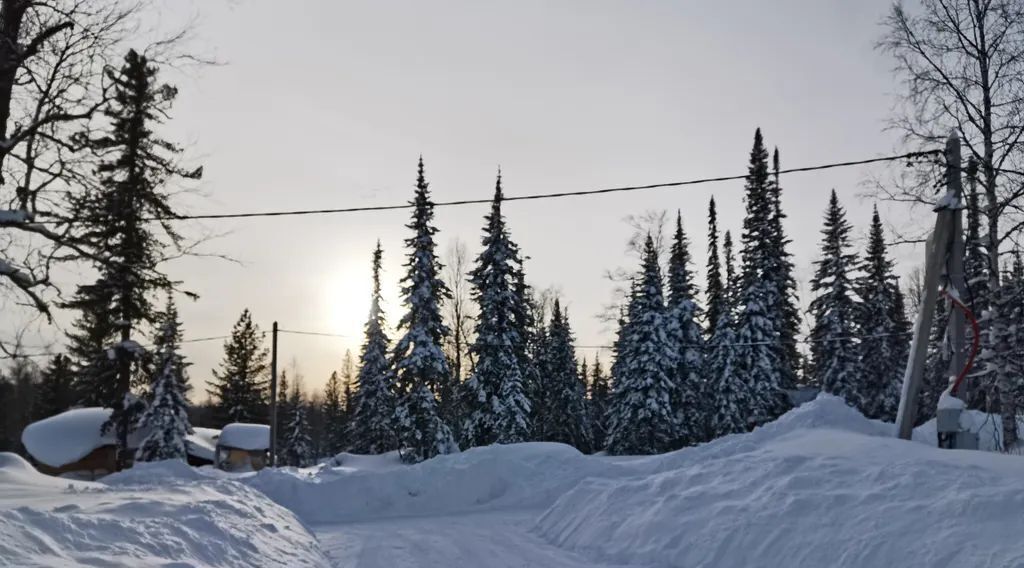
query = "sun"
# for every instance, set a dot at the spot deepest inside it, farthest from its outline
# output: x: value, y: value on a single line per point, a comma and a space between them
x: 346, y: 296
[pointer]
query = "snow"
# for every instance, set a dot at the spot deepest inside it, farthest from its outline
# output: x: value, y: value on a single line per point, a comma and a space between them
x: 70, y: 436
x: 815, y: 488
x: 949, y: 402
x: 821, y: 486
x: 46, y: 521
x: 245, y: 436
x: 202, y: 443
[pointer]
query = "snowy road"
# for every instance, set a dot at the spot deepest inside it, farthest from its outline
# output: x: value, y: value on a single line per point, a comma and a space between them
x: 494, y: 540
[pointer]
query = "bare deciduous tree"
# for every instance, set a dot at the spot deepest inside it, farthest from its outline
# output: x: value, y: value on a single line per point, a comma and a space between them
x: 961, y: 63
x: 52, y: 57
x: 460, y: 310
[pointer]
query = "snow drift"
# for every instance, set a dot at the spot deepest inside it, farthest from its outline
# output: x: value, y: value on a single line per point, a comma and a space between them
x: 516, y: 476
x: 164, y: 520
x: 822, y: 486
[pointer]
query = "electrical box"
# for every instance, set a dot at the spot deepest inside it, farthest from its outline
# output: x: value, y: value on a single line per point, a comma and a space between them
x: 947, y: 419
x: 966, y: 441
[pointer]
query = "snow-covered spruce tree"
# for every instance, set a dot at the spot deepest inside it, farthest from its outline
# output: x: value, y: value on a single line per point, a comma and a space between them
x: 567, y: 419
x: 600, y: 399
x: 335, y: 424
x: 530, y: 324
x: 766, y: 365
x: 1002, y: 356
x: 240, y: 387
x: 297, y: 449
x: 730, y: 396
x: 977, y: 276
x: 833, y: 350
x: 732, y: 281
x: 134, y: 168
x: 641, y: 418
x: 779, y: 269
x: 371, y: 427
x: 681, y: 308
x: 935, y: 378
x: 166, y: 418
x: 494, y: 397
x: 284, y: 410
x: 170, y: 314
x: 714, y: 294
x: 883, y: 328
x: 421, y: 368
x: 56, y: 391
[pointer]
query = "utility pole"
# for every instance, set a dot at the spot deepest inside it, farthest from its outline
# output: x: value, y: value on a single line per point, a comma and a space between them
x: 943, y: 269
x: 273, y: 395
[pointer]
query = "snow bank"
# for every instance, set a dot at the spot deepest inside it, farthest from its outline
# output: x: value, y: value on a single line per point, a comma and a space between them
x: 46, y: 521
x: 822, y: 486
x: 245, y: 436
x: 529, y: 475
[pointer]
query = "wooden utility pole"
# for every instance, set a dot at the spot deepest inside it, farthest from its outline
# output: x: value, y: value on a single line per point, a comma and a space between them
x: 943, y: 257
x: 273, y: 395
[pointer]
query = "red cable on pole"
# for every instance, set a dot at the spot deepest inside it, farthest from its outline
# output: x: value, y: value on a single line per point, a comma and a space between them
x: 975, y: 341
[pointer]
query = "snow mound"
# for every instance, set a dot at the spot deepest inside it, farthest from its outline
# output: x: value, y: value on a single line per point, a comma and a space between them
x: 175, y: 523
x: 822, y: 486
x: 154, y: 473
x: 530, y: 475
x: 16, y: 474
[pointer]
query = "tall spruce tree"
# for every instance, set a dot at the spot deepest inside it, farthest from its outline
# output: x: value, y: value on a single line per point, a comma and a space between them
x: 977, y: 275
x: 600, y: 400
x: 566, y: 419
x: 730, y: 395
x: 833, y: 351
x: 240, y: 387
x: 758, y: 327
x: 935, y: 378
x: 335, y: 421
x: 1004, y: 327
x: 681, y: 308
x: 421, y: 369
x: 170, y: 314
x: 297, y: 447
x: 134, y: 168
x: 495, y: 400
x: 56, y: 390
x: 641, y: 418
x: 715, y: 291
x: 732, y: 282
x: 166, y: 418
x: 779, y: 268
x: 371, y: 428
x: 883, y: 328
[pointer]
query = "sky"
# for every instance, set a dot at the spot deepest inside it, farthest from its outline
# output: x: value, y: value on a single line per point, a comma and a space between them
x: 326, y: 104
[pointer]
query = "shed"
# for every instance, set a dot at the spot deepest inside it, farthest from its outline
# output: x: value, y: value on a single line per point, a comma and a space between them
x: 243, y: 447
x: 71, y: 443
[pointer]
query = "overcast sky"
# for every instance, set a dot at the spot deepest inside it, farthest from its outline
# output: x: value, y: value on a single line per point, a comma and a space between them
x: 329, y: 104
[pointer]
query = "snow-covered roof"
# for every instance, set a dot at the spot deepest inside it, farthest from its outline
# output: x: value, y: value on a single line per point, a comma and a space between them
x: 245, y: 436
x: 71, y: 435
x: 202, y: 443
x: 68, y: 436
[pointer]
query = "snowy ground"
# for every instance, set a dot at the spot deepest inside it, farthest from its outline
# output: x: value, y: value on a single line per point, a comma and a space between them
x: 822, y: 486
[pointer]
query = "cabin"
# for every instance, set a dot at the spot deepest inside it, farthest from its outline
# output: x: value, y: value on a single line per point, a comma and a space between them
x: 71, y: 444
x: 243, y: 447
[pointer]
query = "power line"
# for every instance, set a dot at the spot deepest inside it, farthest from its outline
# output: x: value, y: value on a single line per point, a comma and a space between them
x: 555, y: 195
